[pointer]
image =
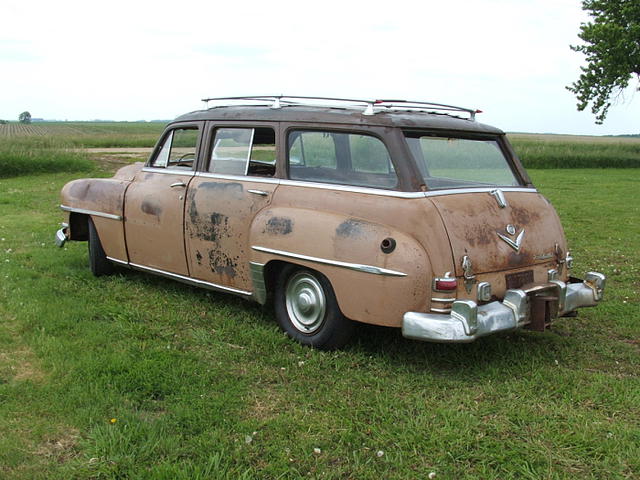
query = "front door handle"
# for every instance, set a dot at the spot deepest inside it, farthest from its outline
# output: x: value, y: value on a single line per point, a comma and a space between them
x: 262, y: 193
x: 178, y: 184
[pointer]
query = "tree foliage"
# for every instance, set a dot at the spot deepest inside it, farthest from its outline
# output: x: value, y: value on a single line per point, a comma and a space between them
x: 612, y: 51
x: 24, y: 117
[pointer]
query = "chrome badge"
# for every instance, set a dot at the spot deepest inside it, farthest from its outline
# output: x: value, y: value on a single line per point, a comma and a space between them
x: 515, y: 244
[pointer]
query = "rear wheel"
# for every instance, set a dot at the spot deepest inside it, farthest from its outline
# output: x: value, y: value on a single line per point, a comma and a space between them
x: 307, y: 310
x: 98, y: 262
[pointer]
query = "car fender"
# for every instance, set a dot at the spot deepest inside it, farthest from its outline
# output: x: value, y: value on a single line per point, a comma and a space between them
x: 349, y: 252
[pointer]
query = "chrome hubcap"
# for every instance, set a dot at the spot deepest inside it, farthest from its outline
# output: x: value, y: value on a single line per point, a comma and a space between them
x: 306, y: 303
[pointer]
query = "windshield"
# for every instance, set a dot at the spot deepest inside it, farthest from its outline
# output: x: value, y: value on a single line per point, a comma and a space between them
x: 448, y: 162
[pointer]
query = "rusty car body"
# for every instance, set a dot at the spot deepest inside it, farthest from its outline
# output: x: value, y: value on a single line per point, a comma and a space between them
x: 394, y: 213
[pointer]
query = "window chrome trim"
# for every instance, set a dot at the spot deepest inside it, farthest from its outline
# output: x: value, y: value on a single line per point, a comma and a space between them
x: 91, y: 212
x: 168, y: 171
x: 336, y: 263
x: 347, y: 188
x: 399, y: 194
x: 187, y: 280
x: 453, y: 191
x: 243, y: 178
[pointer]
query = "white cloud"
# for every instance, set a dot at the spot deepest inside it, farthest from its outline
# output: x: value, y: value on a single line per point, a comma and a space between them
x: 133, y: 60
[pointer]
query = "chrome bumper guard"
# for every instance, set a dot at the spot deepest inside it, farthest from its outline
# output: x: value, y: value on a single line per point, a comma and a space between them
x: 61, y: 235
x: 468, y: 321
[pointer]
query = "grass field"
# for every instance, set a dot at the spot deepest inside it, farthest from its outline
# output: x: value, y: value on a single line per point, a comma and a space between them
x: 133, y: 376
x: 535, y: 151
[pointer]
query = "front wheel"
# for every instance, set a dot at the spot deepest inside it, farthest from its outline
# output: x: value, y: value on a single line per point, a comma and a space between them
x: 307, y: 310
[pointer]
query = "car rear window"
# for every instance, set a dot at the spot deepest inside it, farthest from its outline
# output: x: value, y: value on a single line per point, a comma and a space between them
x: 340, y: 158
x: 450, y: 162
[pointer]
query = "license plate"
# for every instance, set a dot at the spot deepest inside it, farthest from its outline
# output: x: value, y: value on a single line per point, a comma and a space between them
x: 517, y: 280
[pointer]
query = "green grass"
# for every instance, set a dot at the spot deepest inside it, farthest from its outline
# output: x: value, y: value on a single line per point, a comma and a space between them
x: 535, y: 151
x: 204, y: 385
x: 29, y: 156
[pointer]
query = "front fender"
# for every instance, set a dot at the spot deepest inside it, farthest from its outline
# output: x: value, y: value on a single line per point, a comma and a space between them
x: 103, y: 200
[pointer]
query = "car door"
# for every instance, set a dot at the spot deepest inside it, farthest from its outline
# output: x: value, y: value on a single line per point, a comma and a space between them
x: 155, y: 200
x: 236, y: 182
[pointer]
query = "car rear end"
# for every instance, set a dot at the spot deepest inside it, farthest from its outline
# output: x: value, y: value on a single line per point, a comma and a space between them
x: 511, y: 267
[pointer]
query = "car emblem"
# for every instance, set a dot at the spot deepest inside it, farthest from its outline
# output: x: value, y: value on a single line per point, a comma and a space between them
x: 515, y: 244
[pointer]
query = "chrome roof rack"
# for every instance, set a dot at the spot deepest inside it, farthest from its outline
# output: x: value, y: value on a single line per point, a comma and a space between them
x: 368, y: 107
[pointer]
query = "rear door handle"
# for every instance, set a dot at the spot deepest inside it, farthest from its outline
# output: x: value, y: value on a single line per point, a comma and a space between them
x: 262, y: 193
x: 178, y: 184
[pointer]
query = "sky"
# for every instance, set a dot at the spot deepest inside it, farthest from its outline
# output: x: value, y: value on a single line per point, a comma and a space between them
x: 142, y: 60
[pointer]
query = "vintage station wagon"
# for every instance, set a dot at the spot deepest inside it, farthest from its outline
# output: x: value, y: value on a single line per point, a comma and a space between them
x: 388, y: 212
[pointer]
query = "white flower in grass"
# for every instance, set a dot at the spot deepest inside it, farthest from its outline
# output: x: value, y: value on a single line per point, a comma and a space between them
x: 379, y: 453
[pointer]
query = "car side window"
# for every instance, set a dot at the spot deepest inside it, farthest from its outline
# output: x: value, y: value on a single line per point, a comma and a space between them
x: 244, y: 151
x: 340, y: 158
x: 179, y: 149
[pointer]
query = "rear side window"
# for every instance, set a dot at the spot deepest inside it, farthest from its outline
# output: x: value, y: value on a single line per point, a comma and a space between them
x: 340, y: 158
x: 178, y: 149
x: 243, y: 151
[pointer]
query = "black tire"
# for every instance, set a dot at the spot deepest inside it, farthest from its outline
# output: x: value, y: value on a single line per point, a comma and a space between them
x: 98, y: 262
x: 307, y: 310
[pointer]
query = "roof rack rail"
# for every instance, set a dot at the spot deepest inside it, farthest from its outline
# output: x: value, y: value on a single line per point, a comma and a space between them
x: 370, y: 107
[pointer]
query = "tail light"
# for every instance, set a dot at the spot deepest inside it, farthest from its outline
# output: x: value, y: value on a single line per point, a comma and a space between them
x: 445, y: 284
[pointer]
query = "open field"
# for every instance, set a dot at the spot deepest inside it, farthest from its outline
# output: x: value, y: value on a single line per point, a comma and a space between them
x: 133, y: 376
x: 535, y: 150
x: 574, y: 151
x: 85, y: 134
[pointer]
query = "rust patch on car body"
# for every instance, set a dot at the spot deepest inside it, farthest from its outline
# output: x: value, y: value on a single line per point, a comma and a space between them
x: 151, y: 208
x: 352, y: 228
x: 279, y: 226
x: 222, y: 264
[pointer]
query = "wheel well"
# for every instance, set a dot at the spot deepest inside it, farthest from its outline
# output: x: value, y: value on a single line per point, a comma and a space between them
x: 271, y: 271
x: 79, y: 226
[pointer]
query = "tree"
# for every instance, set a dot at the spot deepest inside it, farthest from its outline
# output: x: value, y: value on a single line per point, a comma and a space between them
x: 24, y: 117
x: 612, y: 50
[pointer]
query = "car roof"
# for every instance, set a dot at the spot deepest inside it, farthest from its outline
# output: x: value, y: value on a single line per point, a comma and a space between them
x: 335, y: 115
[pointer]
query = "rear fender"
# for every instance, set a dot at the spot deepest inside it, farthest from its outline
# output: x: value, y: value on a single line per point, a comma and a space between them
x: 371, y: 285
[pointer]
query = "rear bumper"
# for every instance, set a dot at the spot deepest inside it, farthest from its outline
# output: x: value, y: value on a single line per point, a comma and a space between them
x: 468, y: 321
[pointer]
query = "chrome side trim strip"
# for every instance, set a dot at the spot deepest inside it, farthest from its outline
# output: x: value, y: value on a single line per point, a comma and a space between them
x: 351, y: 266
x: 441, y: 310
x: 91, y: 212
x: 243, y: 178
x: 119, y: 262
x: 442, y: 300
x: 190, y: 281
x: 168, y: 171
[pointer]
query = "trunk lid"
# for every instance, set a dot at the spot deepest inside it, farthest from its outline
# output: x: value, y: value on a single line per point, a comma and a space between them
x: 524, y: 232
